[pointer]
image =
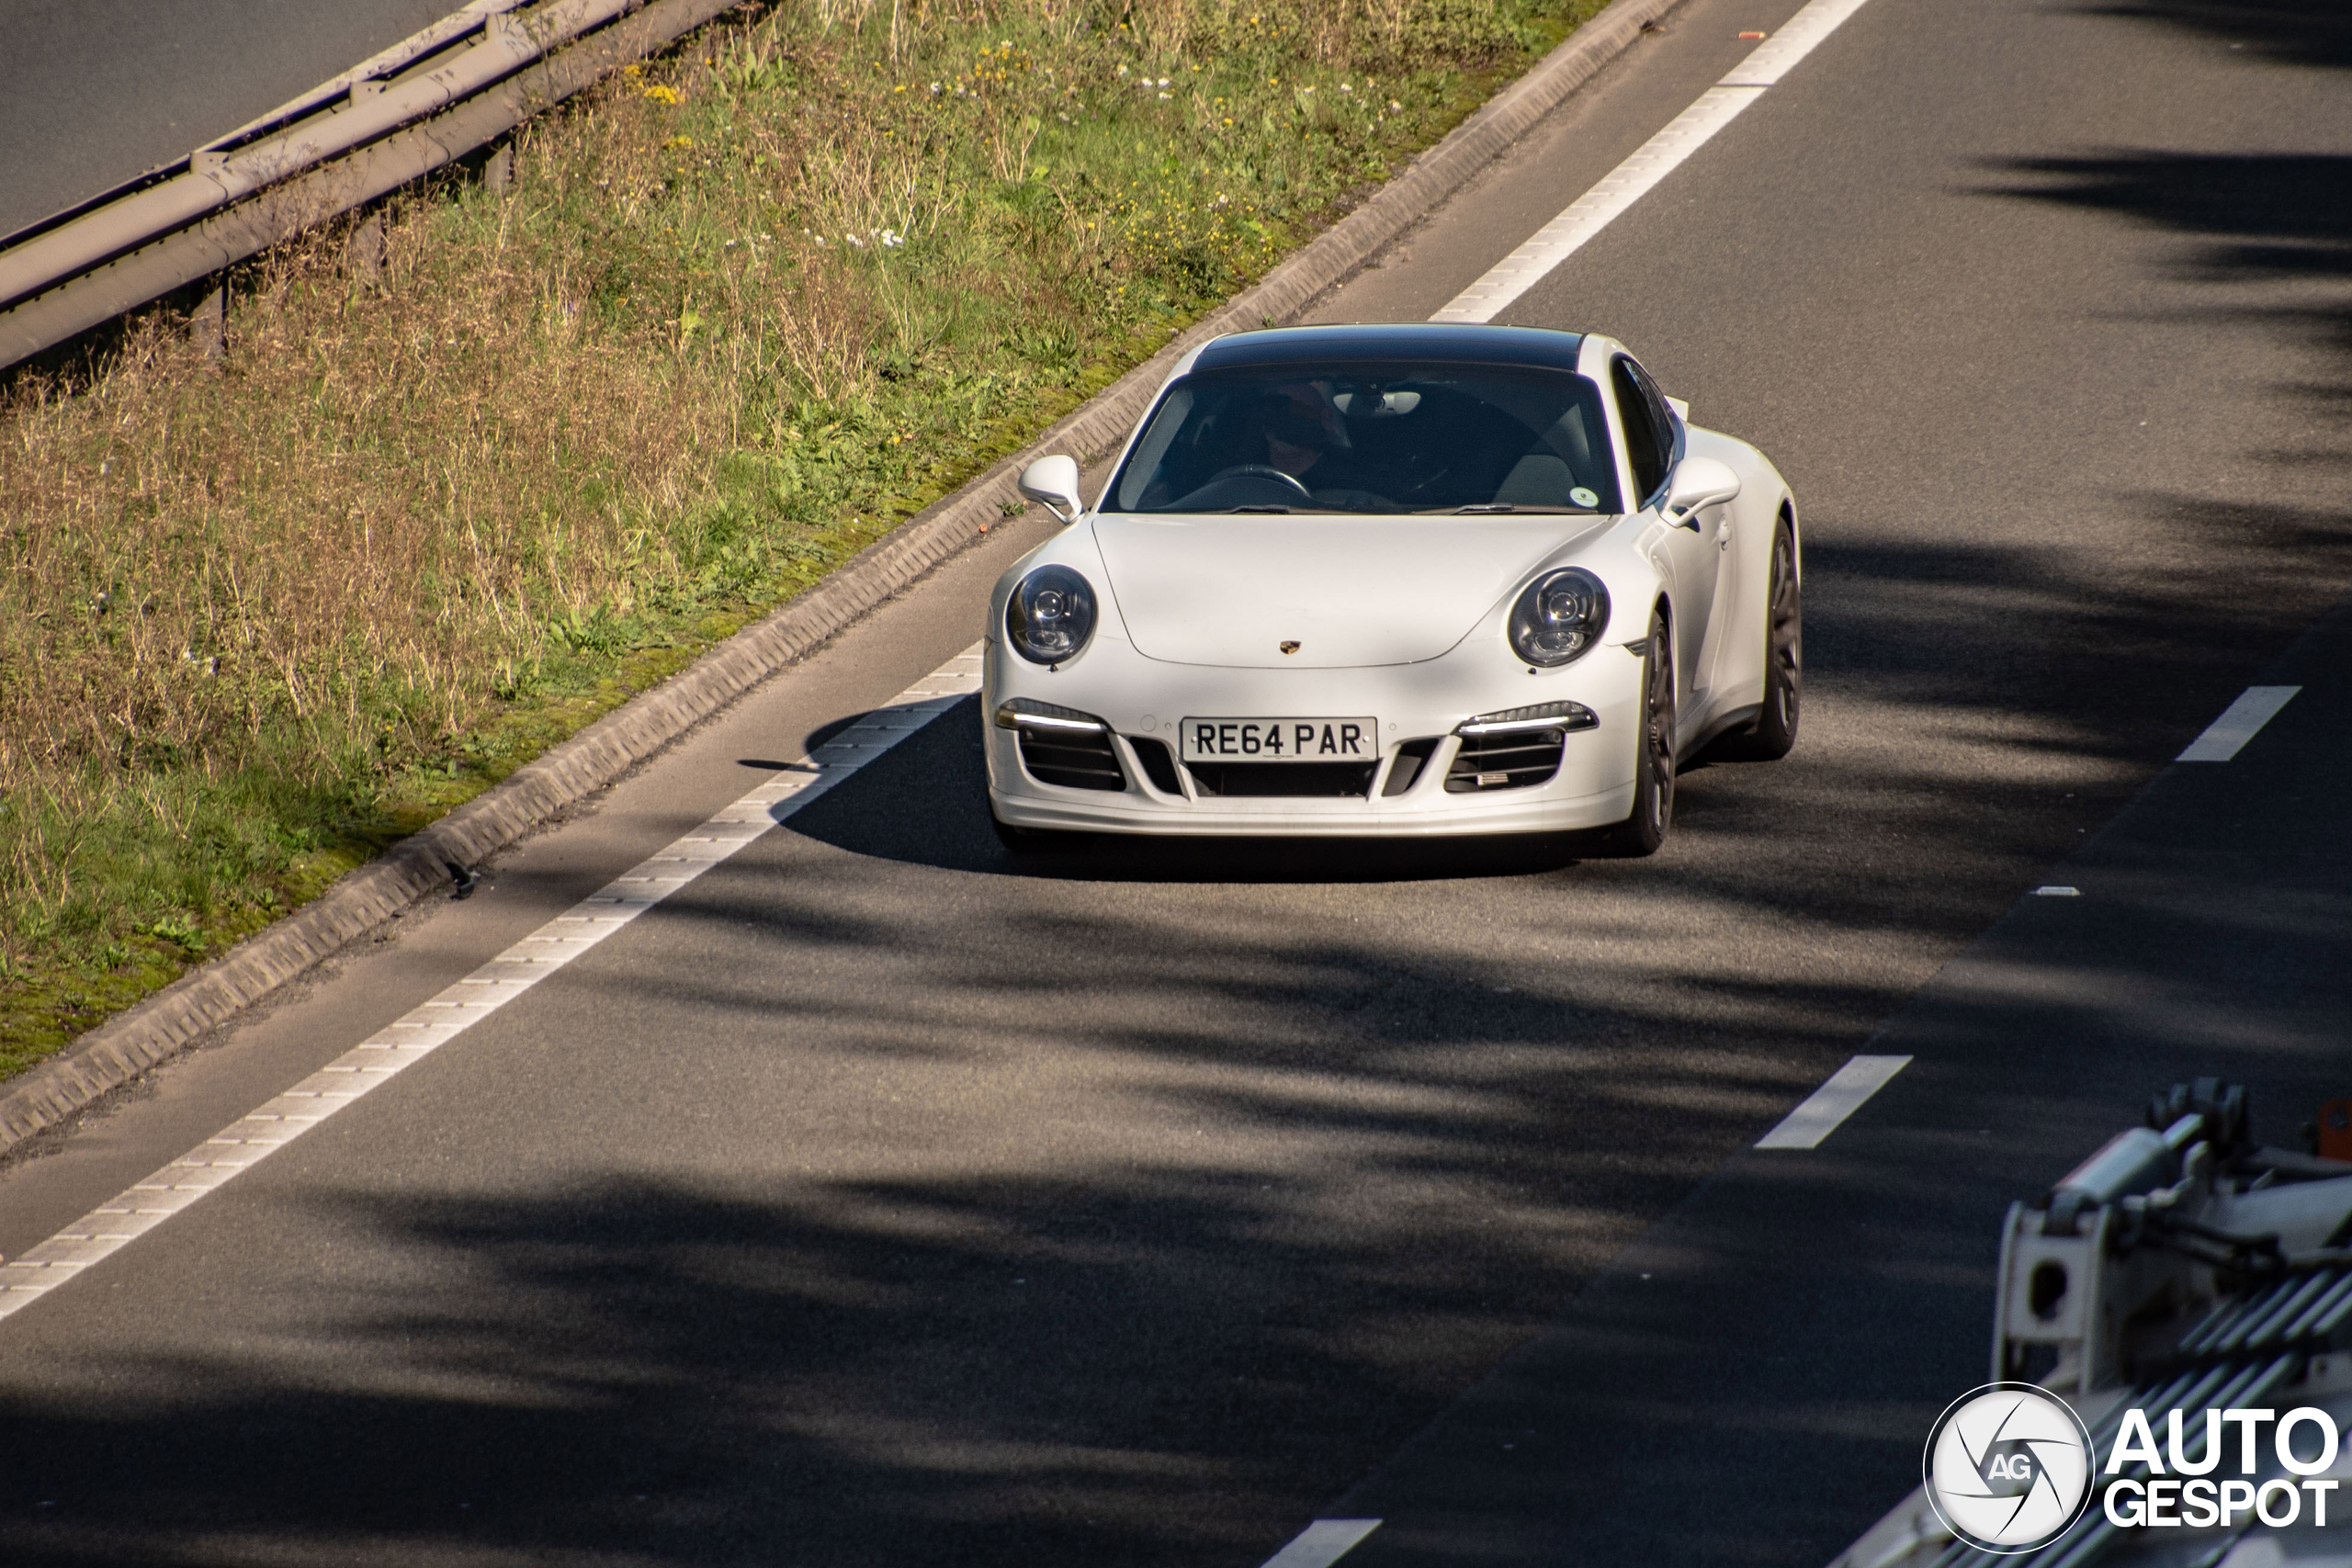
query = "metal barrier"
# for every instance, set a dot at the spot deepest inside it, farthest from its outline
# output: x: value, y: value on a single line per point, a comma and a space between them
x: 458, y: 85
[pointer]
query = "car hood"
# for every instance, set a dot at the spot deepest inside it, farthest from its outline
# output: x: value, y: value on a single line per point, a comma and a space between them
x: 1348, y: 591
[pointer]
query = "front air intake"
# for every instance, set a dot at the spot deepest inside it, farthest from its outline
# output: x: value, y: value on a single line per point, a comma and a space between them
x: 1074, y: 758
x: 1512, y: 760
x: 1158, y: 765
x: 1236, y: 780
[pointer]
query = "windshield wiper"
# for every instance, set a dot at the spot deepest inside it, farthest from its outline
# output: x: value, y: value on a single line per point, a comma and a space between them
x: 1283, y: 510
x: 1480, y: 509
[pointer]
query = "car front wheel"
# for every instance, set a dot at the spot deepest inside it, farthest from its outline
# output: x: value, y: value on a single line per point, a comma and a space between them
x: 1775, y: 729
x: 1644, y: 829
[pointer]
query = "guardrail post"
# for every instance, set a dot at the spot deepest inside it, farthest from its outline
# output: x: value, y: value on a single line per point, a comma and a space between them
x: 208, y: 324
x: 498, y: 171
x: 363, y: 251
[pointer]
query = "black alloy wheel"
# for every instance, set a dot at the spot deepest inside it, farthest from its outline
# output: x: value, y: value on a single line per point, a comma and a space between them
x: 1774, y: 732
x: 1644, y: 828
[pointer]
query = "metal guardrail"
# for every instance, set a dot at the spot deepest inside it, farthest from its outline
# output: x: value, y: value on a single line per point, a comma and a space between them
x: 458, y: 85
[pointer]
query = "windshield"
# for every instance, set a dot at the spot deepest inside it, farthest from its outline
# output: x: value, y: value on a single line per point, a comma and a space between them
x: 1373, y: 437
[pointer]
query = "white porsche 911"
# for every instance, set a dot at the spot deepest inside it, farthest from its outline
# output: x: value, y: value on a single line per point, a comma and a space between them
x: 1393, y: 582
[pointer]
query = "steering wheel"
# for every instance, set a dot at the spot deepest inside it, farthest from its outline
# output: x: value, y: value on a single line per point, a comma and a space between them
x: 1263, y: 471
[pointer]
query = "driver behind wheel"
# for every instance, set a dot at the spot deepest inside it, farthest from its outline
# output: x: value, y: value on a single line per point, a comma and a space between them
x: 1298, y: 426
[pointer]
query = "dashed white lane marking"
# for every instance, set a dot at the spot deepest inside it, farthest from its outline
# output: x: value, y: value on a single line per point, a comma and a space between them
x: 1323, y: 1543
x: 2239, y: 723
x: 1820, y: 1116
x: 2057, y: 890
x: 410, y: 1039
x: 1652, y: 161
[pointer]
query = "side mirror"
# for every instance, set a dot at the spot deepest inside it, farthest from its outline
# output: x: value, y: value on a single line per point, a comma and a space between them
x: 1697, y: 482
x: 1051, y: 482
x: 1682, y: 409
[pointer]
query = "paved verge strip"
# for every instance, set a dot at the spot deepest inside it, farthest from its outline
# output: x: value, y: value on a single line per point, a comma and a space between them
x: 206, y: 998
x: 423, y: 1029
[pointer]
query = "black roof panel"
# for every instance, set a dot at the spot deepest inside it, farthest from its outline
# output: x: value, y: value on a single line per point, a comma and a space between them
x: 1451, y: 343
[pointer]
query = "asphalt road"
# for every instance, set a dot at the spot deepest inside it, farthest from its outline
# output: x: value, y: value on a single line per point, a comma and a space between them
x: 878, y: 1201
x: 93, y: 93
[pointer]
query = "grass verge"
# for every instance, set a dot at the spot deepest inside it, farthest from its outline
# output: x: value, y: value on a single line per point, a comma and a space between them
x: 477, y: 467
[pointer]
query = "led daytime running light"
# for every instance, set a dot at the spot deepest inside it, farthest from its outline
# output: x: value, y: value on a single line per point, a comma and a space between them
x: 1543, y: 715
x: 1027, y: 712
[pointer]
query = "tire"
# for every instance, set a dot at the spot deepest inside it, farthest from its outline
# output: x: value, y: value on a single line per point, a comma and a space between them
x: 1645, y: 828
x: 1774, y: 733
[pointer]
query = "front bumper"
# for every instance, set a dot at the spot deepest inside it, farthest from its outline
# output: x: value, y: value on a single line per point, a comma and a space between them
x: 1142, y: 701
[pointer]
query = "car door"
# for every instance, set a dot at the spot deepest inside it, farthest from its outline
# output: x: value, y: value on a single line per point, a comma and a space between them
x: 1689, y: 551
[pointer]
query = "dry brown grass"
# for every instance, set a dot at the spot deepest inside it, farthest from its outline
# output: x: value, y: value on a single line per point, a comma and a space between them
x: 742, y: 311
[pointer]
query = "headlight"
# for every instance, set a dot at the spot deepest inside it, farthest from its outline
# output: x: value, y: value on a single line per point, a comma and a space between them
x: 1561, y: 615
x: 1050, y: 614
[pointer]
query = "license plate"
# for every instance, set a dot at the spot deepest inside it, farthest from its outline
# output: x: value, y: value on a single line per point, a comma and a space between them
x: 1280, y: 740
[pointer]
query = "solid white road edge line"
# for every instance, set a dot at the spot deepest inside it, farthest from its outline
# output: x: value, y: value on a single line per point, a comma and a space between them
x: 2239, y: 723
x: 1820, y: 1116
x: 1321, y: 1543
x: 415, y: 1035
x: 1652, y: 161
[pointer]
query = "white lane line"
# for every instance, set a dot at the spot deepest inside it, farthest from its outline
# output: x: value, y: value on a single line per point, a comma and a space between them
x: 1652, y: 161
x: 1321, y: 1543
x: 2239, y: 723
x: 2057, y: 890
x: 410, y: 1039
x: 1820, y: 1116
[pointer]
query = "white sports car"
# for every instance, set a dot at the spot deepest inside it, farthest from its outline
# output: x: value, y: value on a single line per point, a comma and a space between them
x: 1393, y: 582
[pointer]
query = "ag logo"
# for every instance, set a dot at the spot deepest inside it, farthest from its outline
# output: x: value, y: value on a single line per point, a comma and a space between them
x: 2008, y: 1467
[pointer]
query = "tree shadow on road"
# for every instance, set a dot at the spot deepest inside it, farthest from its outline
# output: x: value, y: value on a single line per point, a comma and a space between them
x: 2293, y: 32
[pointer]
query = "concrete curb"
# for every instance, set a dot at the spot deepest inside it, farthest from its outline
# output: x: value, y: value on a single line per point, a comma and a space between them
x: 209, y: 997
